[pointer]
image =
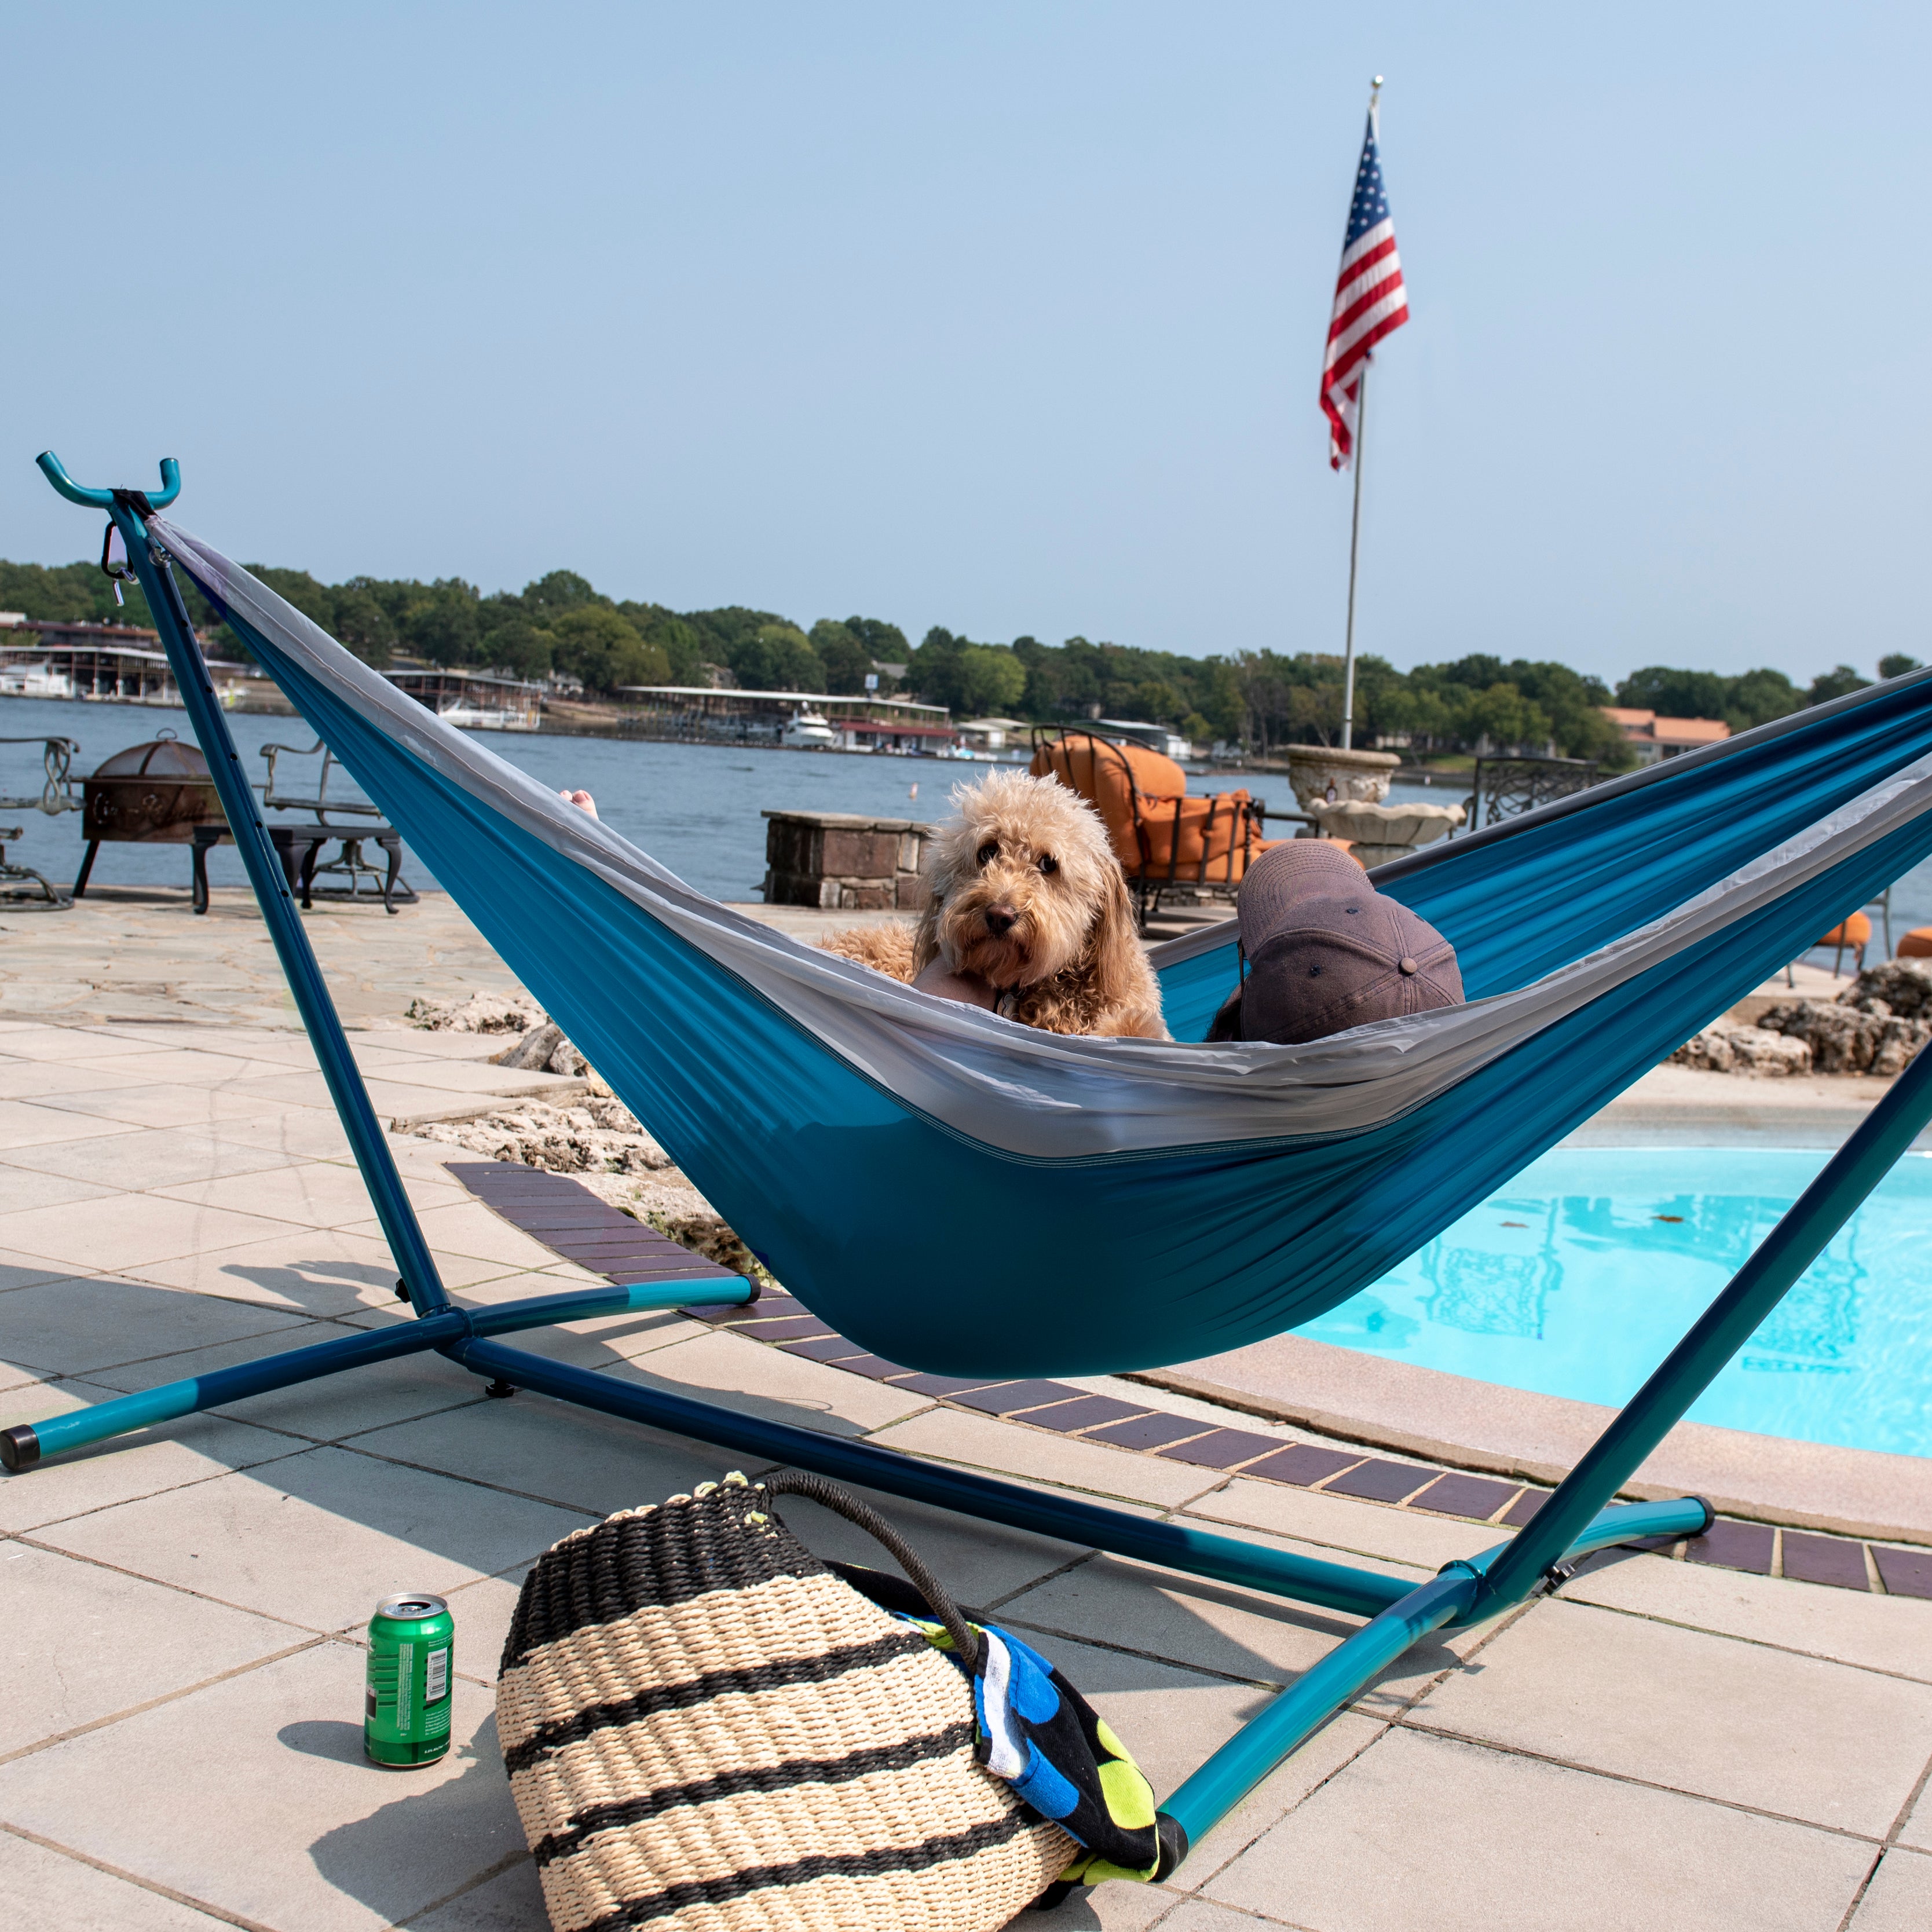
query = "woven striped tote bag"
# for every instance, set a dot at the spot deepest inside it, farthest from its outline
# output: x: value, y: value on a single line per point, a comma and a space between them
x: 707, y: 1729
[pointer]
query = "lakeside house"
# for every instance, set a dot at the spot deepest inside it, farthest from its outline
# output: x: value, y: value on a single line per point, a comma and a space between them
x: 1652, y: 737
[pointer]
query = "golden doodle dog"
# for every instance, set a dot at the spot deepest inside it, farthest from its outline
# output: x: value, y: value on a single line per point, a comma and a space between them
x: 1028, y: 898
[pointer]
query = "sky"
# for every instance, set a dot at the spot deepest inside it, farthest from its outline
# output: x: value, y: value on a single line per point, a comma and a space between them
x: 1008, y: 318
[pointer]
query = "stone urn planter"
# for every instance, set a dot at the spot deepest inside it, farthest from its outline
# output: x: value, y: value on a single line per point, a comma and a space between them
x: 1377, y: 833
x: 1322, y: 773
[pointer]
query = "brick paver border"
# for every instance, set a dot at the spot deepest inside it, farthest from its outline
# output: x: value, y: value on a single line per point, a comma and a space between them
x: 552, y: 1208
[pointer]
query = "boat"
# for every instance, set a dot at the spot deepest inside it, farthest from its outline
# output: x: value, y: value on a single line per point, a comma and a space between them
x: 809, y: 731
x: 34, y: 680
x: 467, y: 717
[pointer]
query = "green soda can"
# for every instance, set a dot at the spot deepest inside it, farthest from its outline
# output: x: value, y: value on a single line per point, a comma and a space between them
x: 406, y: 1706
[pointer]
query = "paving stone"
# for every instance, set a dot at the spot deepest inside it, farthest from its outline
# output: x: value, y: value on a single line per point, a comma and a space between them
x: 1899, y: 1898
x: 1878, y: 1633
x: 771, y: 1382
x: 825, y: 1349
x: 268, y: 1810
x: 1089, y: 1411
x: 1009, y: 1398
x: 1428, y: 1832
x: 72, y: 1326
x: 1794, y: 1735
x: 151, y: 1157
x: 1380, y: 1481
x: 981, y: 1563
x: 23, y: 1271
x: 874, y: 1366
x: 1221, y: 1448
x: 512, y: 1901
x: 1115, y: 1906
x: 1525, y: 1508
x: 1835, y: 1560
x: 113, y: 1641
x: 44, y: 1887
x: 1734, y: 1546
x: 1905, y: 1572
x: 1343, y: 1524
x: 1075, y: 1462
x: 1916, y: 1831
x: 1148, y: 1432
x: 320, y: 1537
x: 1474, y: 1497
x: 189, y: 1450
x: 1303, y: 1464
x: 322, y: 1271
x: 26, y: 1125
x: 482, y: 1611
x: 312, y: 1193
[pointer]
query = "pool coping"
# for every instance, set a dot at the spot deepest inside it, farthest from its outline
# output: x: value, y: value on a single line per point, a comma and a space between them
x: 1484, y: 1426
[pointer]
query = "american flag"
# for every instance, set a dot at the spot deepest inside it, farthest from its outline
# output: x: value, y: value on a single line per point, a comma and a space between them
x: 1370, y: 301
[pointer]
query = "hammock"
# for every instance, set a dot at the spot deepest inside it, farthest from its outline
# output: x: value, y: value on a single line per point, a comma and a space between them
x: 963, y: 1194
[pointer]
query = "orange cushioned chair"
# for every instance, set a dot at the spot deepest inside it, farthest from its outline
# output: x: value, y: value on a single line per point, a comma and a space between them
x: 1162, y: 837
x: 1856, y: 933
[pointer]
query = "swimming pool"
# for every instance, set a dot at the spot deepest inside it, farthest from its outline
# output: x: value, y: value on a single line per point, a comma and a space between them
x: 1578, y: 1278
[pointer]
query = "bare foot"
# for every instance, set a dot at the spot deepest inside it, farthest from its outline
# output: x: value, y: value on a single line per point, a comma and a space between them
x: 968, y: 988
x: 581, y: 800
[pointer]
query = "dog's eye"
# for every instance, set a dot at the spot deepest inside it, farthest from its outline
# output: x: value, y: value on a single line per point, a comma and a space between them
x: 988, y: 853
x: 1049, y: 864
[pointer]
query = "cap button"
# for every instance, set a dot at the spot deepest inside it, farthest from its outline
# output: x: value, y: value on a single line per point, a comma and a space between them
x: 1409, y: 966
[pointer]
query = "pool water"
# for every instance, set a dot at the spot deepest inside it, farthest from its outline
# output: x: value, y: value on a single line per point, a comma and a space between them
x: 1578, y: 1277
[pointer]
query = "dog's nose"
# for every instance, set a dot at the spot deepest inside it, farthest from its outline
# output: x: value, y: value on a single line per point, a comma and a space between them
x: 1000, y: 920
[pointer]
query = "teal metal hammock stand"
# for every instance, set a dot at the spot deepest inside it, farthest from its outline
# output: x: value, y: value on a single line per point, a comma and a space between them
x: 1212, y: 1195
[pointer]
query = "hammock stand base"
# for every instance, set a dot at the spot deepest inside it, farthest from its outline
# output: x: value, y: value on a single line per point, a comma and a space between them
x: 1576, y: 1519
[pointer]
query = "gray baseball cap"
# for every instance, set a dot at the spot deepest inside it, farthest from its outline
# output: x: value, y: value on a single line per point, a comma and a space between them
x: 1325, y: 951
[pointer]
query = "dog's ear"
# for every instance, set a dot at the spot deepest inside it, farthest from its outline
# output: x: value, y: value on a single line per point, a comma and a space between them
x: 926, y: 936
x: 1120, y: 967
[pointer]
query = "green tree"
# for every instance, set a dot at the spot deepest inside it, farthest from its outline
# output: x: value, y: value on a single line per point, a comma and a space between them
x: 1896, y: 664
x: 595, y: 644
x: 1839, y: 682
x: 1674, y: 694
x: 992, y: 681
x: 440, y: 623
x: 848, y: 661
x: 1758, y: 696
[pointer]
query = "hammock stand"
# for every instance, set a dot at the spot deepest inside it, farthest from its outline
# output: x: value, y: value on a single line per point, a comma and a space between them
x: 1578, y: 1519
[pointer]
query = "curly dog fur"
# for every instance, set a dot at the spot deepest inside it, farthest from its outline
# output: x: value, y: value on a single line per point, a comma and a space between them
x: 1028, y: 894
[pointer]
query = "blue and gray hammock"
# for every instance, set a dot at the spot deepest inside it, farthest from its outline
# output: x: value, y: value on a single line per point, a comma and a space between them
x: 967, y: 1196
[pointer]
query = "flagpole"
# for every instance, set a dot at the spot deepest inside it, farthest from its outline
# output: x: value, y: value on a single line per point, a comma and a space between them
x: 1355, y: 519
x: 1354, y: 547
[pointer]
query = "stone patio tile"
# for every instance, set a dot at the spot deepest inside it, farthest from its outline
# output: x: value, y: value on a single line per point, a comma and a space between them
x: 319, y: 1271
x: 1916, y: 1831
x: 1200, y: 1915
x: 319, y: 1539
x: 1338, y: 1743
x: 1113, y: 1907
x: 1736, y: 1721
x: 982, y: 1564
x: 512, y: 1901
x: 43, y: 1079
x: 1881, y: 1632
x: 757, y: 1380
x: 23, y: 1188
x: 316, y: 1193
x: 167, y: 1104
x: 61, y: 1044
x: 188, y: 1450
x: 1430, y: 1832
x: 953, y: 1436
x: 46, y: 1888
x: 114, y: 1641
x: 24, y: 1124
x: 149, y: 1157
x: 193, y: 1066
x: 129, y: 1230
x: 308, y: 1133
x: 368, y: 1397
x: 70, y: 1326
x: 19, y: 1270
x: 390, y: 1095
x: 1899, y: 1898
x: 482, y: 1611
x: 268, y: 1810
x: 1337, y: 1522
x: 570, y: 1457
x: 470, y: 1229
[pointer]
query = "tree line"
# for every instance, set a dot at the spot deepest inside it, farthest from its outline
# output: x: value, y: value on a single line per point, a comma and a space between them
x: 560, y: 625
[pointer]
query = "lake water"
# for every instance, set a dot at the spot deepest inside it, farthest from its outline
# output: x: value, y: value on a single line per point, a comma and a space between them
x: 694, y: 807
x: 1580, y: 1277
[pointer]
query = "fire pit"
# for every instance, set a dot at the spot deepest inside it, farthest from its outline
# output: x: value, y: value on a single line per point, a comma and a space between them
x: 154, y: 793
